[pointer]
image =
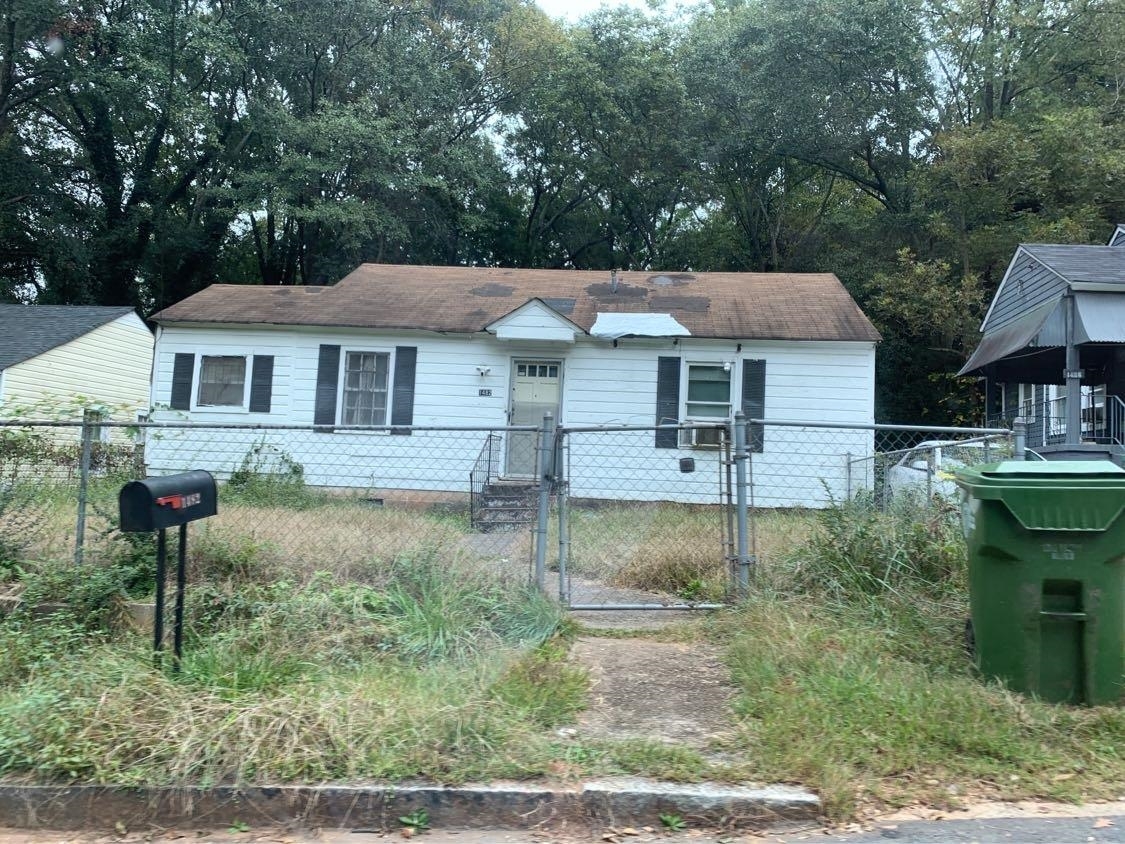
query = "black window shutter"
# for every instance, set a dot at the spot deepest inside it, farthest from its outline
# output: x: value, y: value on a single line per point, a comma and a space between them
x: 327, y: 382
x: 261, y: 384
x: 754, y: 400
x: 667, y: 400
x: 182, y: 371
x: 402, y: 403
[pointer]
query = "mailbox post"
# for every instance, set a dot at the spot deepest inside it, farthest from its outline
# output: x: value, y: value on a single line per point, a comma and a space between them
x: 158, y: 504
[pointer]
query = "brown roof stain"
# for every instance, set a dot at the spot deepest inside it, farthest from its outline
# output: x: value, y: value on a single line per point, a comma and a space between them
x: 698, y: 304
x: 464, y: 300
x: 610, y: 291
x: 493, y: 289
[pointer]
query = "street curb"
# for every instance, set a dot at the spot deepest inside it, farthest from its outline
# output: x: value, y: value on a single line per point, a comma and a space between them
x: 615, y: 802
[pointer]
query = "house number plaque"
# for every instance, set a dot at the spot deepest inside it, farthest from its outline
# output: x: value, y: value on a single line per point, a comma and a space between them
x: 484, y: 391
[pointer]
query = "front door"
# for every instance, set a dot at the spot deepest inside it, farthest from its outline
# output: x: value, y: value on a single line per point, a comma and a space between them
x: 536, y: 388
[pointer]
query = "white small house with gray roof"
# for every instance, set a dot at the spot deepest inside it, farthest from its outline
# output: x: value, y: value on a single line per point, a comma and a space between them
x: 1053, y: 345
x: 56, y: 359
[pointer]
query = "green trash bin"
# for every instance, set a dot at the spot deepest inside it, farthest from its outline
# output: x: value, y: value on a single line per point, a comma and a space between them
x: 1047, y: 576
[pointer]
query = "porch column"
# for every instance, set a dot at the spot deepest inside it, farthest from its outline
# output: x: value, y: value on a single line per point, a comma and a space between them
x: 1073, y: 375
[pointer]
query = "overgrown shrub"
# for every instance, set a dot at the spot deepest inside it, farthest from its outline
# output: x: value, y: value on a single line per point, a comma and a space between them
x: 270, y: 476
x: 857, y: 551
x: 90, y: 596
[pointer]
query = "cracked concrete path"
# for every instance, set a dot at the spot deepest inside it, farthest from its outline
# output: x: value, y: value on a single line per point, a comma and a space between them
x: 671, y: 692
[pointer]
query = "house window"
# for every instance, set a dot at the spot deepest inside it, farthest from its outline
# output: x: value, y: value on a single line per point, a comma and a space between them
x: 365, y: 391
x: 708, y: 392
x: 222, y: 381
x: 708, y: 399
x: 1027, y: 402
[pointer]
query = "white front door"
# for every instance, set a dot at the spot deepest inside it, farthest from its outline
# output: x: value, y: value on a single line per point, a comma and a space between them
x: 536, y: 389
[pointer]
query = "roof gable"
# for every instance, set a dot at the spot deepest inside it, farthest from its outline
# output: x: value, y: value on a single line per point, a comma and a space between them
x: 27, y: 331
x: 1039, y: 271
x: 464, y: 300
x: 1118, y: 236
x: 534, y: 320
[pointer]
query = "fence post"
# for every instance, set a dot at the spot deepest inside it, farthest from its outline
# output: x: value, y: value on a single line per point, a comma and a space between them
x: 848, y: 475
x: 1019, y: 435
x: 741, y: 456
x: 562, y: 484
x: 545, y: 449
x: 930, y: 468
x: 140, y: 441
x: 90, y: 420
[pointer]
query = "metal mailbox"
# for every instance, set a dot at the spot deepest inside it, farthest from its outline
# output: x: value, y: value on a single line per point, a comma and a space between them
x: 173, y: 500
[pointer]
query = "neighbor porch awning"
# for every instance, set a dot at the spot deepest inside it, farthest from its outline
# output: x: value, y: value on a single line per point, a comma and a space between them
x: 996, y: 345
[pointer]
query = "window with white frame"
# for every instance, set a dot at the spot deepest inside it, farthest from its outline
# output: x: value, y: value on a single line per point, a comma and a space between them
x: 222, y: 381
x: 708, y: 392
x: 707, y: 398
x: 365, y: 393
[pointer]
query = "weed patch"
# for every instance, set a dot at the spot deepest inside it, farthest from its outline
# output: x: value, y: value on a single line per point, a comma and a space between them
x: 296, y: 682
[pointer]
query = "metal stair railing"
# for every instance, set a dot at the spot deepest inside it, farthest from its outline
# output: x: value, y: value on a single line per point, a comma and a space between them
x: 485, y: 470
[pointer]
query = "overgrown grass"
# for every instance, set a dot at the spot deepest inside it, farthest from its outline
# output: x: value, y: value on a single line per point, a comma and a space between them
x: 854, y: 679
x: 673, y: 549
x: 448, y: 674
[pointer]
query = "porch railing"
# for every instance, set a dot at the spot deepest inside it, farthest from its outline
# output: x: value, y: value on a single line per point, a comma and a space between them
x: 485, y: 470
x: 1103, y: 420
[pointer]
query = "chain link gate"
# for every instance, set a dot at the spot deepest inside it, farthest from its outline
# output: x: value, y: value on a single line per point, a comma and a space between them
x: 642, y: 522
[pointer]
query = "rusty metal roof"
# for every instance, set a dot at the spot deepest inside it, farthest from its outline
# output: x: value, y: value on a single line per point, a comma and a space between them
x: 463, y: 300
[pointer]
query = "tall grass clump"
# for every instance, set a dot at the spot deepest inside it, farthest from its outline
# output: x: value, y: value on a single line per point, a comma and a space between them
x: 673, y: 549
x: 857, y: 551
x: 836, y: 702
x: 854, y: 679
x: 449, y: 672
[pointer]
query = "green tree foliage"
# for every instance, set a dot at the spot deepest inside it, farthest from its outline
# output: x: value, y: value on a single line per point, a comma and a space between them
x: 151, y: 147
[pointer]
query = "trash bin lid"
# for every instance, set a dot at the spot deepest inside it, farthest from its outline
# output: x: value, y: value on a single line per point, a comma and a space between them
x: 1062, y: 495
x: 1052, y: 469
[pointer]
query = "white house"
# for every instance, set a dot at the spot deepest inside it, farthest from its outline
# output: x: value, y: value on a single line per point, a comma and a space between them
x: 57, y: 359
x: 401, y: 346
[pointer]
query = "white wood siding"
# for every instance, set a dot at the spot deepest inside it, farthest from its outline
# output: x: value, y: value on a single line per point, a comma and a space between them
x: 602, y: 385
x: 110, y: 366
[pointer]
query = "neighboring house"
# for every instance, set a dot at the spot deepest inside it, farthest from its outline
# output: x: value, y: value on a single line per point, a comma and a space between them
x: 56, y: 359
x: 438, y: 346
x: 1054, y: 298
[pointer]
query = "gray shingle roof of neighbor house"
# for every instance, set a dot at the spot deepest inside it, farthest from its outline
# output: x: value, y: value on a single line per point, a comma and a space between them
x: 464, y: 300
x: 30, y: 330
x: 1081, y: 263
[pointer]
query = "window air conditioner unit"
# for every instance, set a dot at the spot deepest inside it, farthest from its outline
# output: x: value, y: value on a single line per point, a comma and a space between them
x: 703, y: 437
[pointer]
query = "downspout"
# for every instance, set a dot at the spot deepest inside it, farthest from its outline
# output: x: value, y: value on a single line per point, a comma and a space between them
x: 1073, y: 375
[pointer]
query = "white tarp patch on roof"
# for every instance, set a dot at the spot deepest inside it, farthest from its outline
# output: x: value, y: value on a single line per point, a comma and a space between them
x: 613, y: 326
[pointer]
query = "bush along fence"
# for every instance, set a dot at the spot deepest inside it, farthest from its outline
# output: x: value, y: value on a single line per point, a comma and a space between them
x: 607, y: 517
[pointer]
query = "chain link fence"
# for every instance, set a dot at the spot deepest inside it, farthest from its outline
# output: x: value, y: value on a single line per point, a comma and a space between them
x: 301, y: 500
x: 644, y: 516
x: 632, y: 517
x: 648, y: 517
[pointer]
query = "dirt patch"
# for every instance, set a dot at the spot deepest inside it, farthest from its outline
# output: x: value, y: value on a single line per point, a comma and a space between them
x: 665, y: 691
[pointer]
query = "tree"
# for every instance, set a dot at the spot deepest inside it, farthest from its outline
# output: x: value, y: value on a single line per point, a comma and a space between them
x: 599, y: 151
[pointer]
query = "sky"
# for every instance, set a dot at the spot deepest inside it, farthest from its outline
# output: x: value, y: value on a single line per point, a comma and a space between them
x: 572, y: 10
